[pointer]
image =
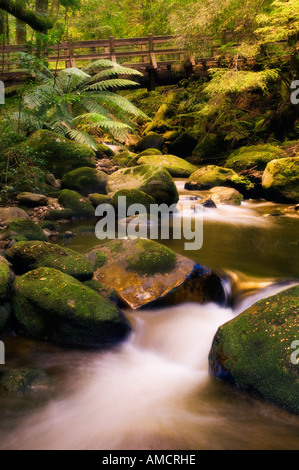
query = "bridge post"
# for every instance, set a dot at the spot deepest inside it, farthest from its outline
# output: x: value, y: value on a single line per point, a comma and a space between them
x: 152, y: 51
x: 112, y: 48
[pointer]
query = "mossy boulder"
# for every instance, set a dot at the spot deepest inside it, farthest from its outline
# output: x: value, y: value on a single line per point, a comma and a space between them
x: 227, y: 196
x: 23, y: 229
x: 176, y: 166
x: 58, y: 214
x: 25, y: 256
x: 9, y: 214
x: 150, y: 141
x: 255, y: 156
x: 80, y: 206
x: 150, y: 179
x: 133, y: 196
x: 143, y: 271
x: 170, y: 136
x: 104, y: 151
x: 212, y: 175
x: 253, y: 350
x: 97, y: 199
x: 149, y: 152
x: 85, y: 180
x: 6, y: 278
x: 32, y: 199
x: 108, y: 292
x: 61, y: 155
x: 281, y: 179
x: 51, y: 305
x: 125, y: 159
x: 24, y: 381
x: 183, y: 145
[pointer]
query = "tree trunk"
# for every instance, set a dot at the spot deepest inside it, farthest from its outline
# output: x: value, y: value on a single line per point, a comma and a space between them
x: 42, y: 6
x: 17, y: 9
x: 20, y: 32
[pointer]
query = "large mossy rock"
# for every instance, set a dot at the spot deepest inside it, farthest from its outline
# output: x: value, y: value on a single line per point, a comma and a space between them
x: 85, y: 181
x: 32, y: 199
x: 212, y: 175
x: 133, y: 196
x: 60, y: 154
x: 149, y: 152
x: 79, y: 205
x: 9, y: 214
x: 281, y: 179
x: 125, y: 159
x: 143, y: 271
x: 26, y: 256
x: 255, y: 156
x: 58, y: 214
x: 150, y: 141
x: 226, y: 196
x: 209, y: 147
x: 6, y: 278
x: 253, y: 350
x: 184, y: 145
x: 176, y: 166
x: 152, y: 180
x: 51, y: 305
x: 23, y: 229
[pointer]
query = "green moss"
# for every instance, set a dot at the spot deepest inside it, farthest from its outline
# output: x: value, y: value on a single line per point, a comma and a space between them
x: 24, y: 229
x: 254, y: 349
x: 97, y: 199
x: 125, y: 159
x: 80, y: 206
x: 133, y: 196
x: 105, y: 291
x: 26, y: 256
x: 49, y: 304
x: 281, y: 179
x: 104, y: 151
x: 151, y: 140
x: 85, y: 181
x: 55, y: 214
x: 256, y: 156
x: 154, y: 258
x: 101, y: 259
x: 150, y: 179
x: 23, y: 381
x: 176, y: 166
x: 5, y: 278
x: 211, y: 175
x: 61, y: 154
x: 149, y: 152
x: 49, y: 225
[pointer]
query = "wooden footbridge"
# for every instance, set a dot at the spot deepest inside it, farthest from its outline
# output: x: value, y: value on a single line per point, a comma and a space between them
x: 159, y: 58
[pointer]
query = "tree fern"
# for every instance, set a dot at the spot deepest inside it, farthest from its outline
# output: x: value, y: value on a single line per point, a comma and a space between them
x: 77, y: 98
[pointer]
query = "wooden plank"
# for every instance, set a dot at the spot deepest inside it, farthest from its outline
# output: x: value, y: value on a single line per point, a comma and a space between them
x: 112, y: 49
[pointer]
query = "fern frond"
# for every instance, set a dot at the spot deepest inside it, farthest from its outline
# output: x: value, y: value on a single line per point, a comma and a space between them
x: 114, y: 100
x: 113, y: 83
x: 106, y: 63
x: 82, y: 138
x: 70, y: 79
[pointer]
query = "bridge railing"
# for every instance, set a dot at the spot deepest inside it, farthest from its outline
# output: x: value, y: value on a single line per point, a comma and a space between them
x: 144, y: 52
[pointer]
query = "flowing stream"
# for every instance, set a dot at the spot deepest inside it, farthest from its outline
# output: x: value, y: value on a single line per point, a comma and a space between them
x: 154, y: 391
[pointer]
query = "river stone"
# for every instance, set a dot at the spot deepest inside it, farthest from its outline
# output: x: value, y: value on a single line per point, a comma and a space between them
x: 152, y: 180
x: 79, y: 205
x: 176, y: 166
x: 32, y: 199
x: 25, y: 256
x: 6, y: 278
x: 8, y: 214
x: 281, y: 179
x: 184, y: 145
x: 223, y: 195
x: 60, y: 154
x: 151, y: 140
x: 253, y: 350
x: 51, y: 305
x: 210, y: 176
x: 255, y: 156
x: 21, y: 229
x: 85, y: 181
x: 52, y: 181
x: 143, y: 271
